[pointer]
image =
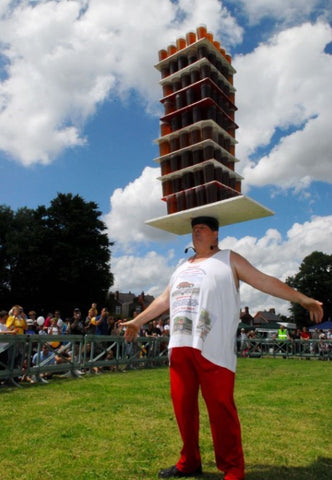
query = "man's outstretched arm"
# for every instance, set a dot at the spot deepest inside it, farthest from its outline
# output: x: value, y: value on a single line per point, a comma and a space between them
x: 244, y: 271
x: 159, y: 306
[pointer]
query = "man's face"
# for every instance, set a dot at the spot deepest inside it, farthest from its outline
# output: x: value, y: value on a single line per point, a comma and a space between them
x: 203, y: 235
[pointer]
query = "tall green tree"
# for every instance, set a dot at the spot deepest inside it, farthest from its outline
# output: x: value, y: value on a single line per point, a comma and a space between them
x: 315, y: 280
x: 56, y: 257
x: 28, y: 259
x: 6, y: 226
x: 80, y: 253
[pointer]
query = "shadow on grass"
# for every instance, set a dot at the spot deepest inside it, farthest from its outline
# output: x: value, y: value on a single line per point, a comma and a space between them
x: 319, y: 470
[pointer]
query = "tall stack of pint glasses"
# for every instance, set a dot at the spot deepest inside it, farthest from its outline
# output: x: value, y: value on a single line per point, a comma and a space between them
x: 197, y: 130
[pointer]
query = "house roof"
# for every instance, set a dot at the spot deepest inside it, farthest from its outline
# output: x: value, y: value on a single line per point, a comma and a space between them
x: 266, y: 317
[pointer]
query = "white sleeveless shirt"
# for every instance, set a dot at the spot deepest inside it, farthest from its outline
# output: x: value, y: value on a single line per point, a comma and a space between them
x: 205, y: 308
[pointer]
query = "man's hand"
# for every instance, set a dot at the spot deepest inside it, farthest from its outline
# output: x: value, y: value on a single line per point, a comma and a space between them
x: 314, y: 307
x: 131, y: 330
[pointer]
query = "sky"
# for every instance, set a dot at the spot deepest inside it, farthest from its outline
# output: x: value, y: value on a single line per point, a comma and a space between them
x: 80, y: 107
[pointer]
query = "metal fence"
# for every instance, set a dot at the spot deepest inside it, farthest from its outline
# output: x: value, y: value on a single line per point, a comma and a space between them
x: 21, y: 356
x: 264, y: 347
x: 73, y: 355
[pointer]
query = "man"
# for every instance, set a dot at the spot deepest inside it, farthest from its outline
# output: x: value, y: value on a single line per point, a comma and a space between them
x: 204, y: 303
x: 76, y: 326
x: 282, y: 333
x: 101, y: 323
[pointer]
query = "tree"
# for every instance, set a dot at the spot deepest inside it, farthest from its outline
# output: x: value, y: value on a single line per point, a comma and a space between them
x: 315, y: 280
x: 56, y: 257
x: 80, y: 251
x: 26, y: 240
x: 6, y: 225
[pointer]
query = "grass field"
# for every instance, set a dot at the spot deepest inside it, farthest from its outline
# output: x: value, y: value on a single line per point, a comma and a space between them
x: 120, y: 426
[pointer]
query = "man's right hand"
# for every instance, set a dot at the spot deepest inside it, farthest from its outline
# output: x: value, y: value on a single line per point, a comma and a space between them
x: 131, y: 330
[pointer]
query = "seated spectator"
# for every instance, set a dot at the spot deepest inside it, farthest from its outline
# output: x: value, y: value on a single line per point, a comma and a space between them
x: 44, y: 357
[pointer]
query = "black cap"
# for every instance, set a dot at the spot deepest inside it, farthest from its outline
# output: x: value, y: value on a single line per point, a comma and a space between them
x: 211, y: 222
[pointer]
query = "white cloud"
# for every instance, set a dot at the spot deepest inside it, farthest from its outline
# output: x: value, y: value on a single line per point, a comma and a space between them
x: 283, y: 10
x: 283, y: 89
x: 280, y: 257
x: 149, y: 273
x: 132, y: 206
x: 61, y: 59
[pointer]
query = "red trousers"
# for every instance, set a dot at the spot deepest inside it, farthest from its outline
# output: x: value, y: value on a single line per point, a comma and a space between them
x: 189, y: 370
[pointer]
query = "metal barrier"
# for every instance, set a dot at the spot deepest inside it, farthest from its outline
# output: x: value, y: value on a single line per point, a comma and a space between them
x: 265, y: 347
x: 72, y: 355
x: 21, y: 356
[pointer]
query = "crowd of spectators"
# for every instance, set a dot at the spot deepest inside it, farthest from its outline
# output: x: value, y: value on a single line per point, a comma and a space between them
x: 290, y: 342
x: 249, y: 342
x: 17, y: 322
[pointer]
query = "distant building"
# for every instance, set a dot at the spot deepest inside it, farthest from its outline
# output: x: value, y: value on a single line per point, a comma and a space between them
x: 125, y: 304
x: 266, y: 317
x: 245, y: 317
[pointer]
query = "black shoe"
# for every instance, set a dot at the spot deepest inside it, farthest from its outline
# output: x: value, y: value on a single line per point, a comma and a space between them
x: 174, y: 472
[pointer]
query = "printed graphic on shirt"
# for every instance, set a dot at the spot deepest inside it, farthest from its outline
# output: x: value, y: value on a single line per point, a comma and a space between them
x: 182, y: 325
x: 185, y: 304
x: 204, y: 324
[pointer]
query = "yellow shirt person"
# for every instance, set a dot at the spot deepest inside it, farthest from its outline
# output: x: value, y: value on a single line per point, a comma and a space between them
x: 16, y: 321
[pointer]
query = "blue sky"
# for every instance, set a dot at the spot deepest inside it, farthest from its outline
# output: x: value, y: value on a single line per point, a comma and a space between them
x: 79, y: 112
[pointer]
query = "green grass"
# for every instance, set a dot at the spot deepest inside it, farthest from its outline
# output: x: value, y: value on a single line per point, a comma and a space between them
x: 120, y: 426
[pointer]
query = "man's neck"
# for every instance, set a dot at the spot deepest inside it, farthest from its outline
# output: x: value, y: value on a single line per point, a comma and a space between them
x: 203, y: 253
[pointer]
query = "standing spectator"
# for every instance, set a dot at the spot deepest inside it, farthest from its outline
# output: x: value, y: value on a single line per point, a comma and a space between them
x: 53, y: 328
x: 101, y: 322
x: 305, y: 337
x: 47, y: 322
x: 31, y: 327
x: 76, y: 326
x: 93, y: 310
x: 160, y: 325
x: 90, y: 323
x: 282, y: 333
x: 5, y: 350
x: 110, y: 324
x: 32, y: 316
x: 16, y: 320
x: 40, y: 326
x: 243, y: 343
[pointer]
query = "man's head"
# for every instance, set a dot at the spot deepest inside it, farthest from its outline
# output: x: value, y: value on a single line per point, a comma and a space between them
x: 205, y: 233
x: 211, y: 222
